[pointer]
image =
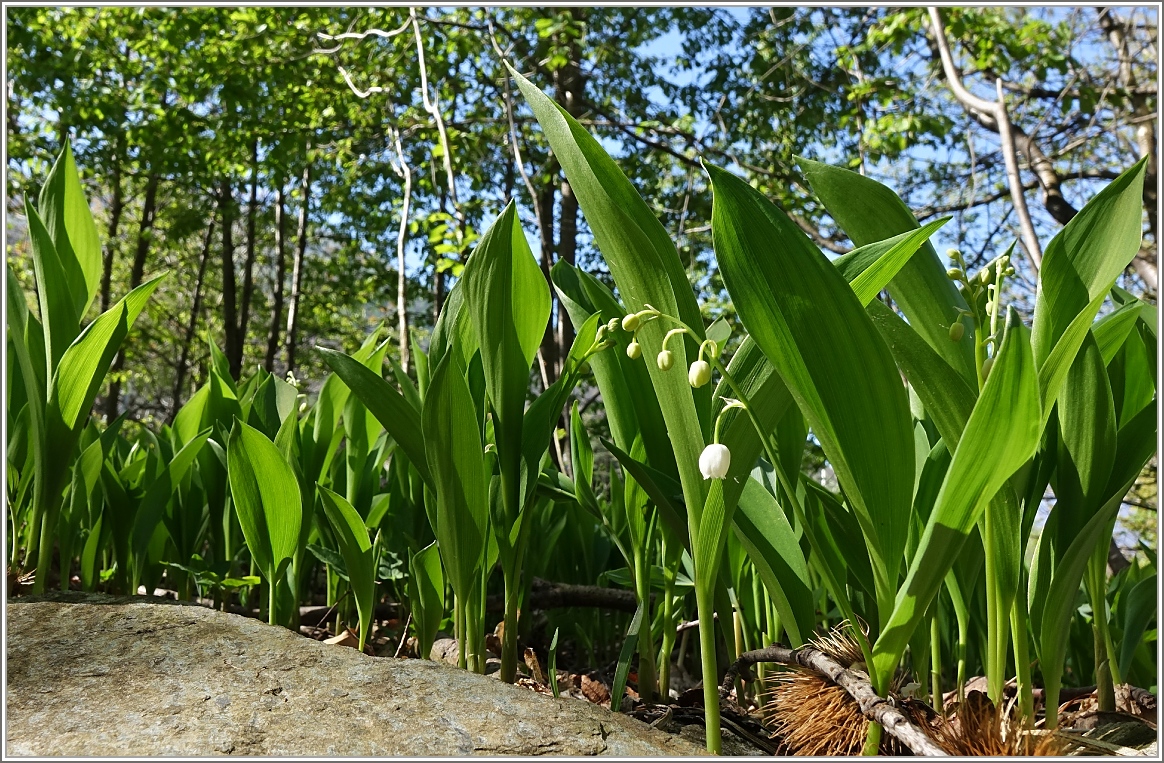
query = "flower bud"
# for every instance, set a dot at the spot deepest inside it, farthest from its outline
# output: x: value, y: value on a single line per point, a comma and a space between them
x: 986, y: 366
x: 612, y: 325
x: 990, y: 306
x: 957, y: 331
x: 634, y: 350
x: 955, y: 274
x: 984, y: 276
x: 699, y: 373
x: 665, y: 360
x: 584, y: 369
x: 714, y: 461
x: 631, y: 322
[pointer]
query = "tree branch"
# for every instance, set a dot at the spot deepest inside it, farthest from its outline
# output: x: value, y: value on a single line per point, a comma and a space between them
x: 997, y: 119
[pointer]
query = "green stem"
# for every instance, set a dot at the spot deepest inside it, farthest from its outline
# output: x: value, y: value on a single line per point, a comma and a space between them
x: 272, y: 591
x: 509, y: 636
x: 705, y: 608
x: 1022, y: 660
x: 872, y: 739
x: 646, y: 638
x: 460, y: 630
x: 936, y: 657
x: 668, y: 640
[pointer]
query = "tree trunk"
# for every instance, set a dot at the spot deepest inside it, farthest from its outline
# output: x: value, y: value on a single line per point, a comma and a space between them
x: 233, y: 347
x: 248, y: 289
x: 1116, y: 31
x: 137, y: 271
x: 546, y: 209
x: 297, y: 268
x: 192, y: 324
x: 280, y: 277
x: 571, y: 94
x: 116, y: 206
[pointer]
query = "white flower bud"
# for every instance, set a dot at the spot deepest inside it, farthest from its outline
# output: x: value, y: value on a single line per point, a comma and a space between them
x: 714, y: 461
x: 699, y: 373
x: 665, y: 360
x: 634, y: 350
x: 631, y: 322
x: 612, y: 325
x: 986, y: 366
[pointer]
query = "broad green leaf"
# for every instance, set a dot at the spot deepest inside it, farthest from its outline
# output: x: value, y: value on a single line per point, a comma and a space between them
x: 1112, y: 330
x: 456, y: 460
x: 1087, y: 440
x: 390, y: 408
x: 84, y: 364
x: 622, y: 668
x: 58, y: 307
x: 509, y: 304
x: 662, y: 489
x: 646, y: 268
x: 770, y: 400
x: 763, y: 530
x: 356, y: 548
x: 632, y: 409
x: 1139, y: 609
x: 794, y: 303
x: 541, y: 418
x: 869, y: 212
x: 1001, y: 435
x: 1083, y: 260
x: 266, y: 498
x: 427, y: 594
x: 153, y: 504
x: 948, y: 398
x: 870, y: 268
x: 67, y: 218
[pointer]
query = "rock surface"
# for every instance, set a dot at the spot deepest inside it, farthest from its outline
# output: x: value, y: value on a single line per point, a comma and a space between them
x: 96, y: 675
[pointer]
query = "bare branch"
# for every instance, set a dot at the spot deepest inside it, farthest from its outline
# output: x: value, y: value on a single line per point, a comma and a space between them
x: 993, y: 115
x: 873, y: 706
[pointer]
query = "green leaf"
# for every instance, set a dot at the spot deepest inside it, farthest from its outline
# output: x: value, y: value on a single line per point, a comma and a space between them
x: 646, y: 268
x: 870, y: 268
x: 356, y: 548
x: 70, y: 224
x: 1139, y: 609
x: 632, y: 409
x: 763, y: 530
x: 153, y: 504
x: 84, y: 364
x: 456, y: 460
x: 1083, y: 260
x: 794, y: 303
x: 427, y: 594
x: 869, y: 212
x: 1001, y: 435
x: 385, y: 402
x: 948, y: 398
x: 622, y: 668
x: 509, y: 303
x: 58, y: 308
x: 266, y: 498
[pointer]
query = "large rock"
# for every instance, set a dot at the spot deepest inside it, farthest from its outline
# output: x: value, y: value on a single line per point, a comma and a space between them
x: 94, y: 675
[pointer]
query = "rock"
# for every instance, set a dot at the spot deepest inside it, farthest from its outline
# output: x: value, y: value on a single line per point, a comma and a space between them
x: 102, y: 676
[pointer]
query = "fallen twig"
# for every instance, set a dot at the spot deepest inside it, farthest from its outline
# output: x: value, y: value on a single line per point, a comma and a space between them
x: 872, y: 706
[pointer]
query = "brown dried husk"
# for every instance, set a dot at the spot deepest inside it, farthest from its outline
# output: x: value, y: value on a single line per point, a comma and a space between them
x: 978, y: 728
x: 810, y: 715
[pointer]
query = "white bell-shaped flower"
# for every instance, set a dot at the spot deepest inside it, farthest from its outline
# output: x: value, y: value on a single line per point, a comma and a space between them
x: 714, y: 461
